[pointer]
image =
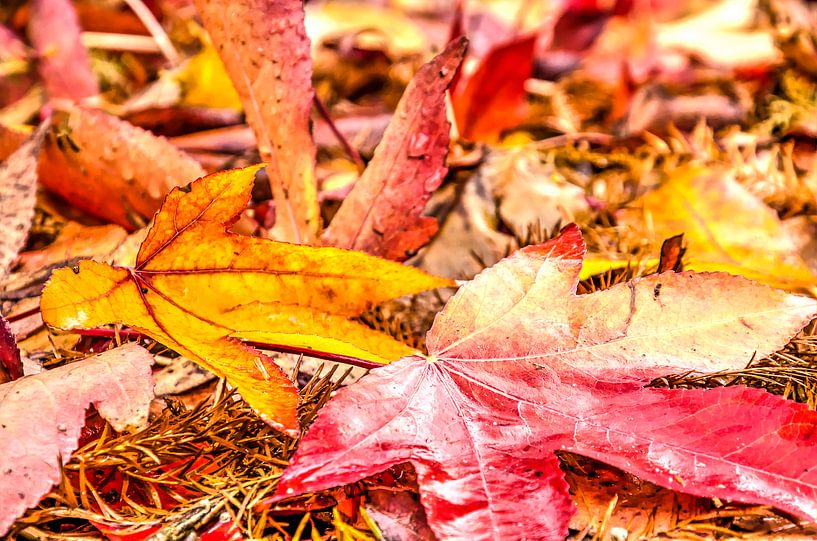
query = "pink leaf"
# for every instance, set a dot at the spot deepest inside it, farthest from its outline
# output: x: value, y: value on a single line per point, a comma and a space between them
x: 18, y: 196
x: 520, y: 366
x: 41, y: 417
x: 265, y: 49
x: 63, y: 63
x: 381, y: 215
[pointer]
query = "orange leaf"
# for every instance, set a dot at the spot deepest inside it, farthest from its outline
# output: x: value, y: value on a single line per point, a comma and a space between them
x: 201, y: 290
x: 110, y: 168
x: 75, y: 240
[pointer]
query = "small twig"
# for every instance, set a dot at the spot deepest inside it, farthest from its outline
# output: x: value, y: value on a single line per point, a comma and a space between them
x: 351, y: 151
x: 155, y: 29
x: 120, y: 42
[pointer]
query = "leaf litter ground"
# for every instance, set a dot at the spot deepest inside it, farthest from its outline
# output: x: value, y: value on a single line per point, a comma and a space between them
x: 620, y: 172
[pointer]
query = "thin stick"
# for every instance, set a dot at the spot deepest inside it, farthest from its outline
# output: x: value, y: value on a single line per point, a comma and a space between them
x: 155, y: 29
x: 120, y: 42
x: 351, y: 151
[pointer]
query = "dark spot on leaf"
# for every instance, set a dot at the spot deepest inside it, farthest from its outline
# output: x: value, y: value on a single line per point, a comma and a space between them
x: 656, y: 291
x: 75, y: 268
x: 144, y: 290
x: 186, y: 188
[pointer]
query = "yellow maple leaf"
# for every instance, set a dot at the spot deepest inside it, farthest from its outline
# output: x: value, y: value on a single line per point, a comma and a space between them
x: 205, y: 81
x: 725, y: 227
x: 202, y: 290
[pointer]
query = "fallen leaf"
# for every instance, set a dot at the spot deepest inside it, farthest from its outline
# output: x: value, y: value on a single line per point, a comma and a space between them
x: 382, y: 214
x: 724, y: 36
x: 398, y: 515
x: 75, y: 240
x: 374, y: 27
x: 200, y: 290
x: 179, y: 376
x: 468, y: 240
x: 643, y: 509
x: 532, y: 193
x: 11, y: 365
x: 18, y: 191
x: 493, y: 98
x: 265, y: 49
x: 10, y: 140
x: 655, y: 109
x: 63, y: 61
x: 110, y: 168
x: 519, y: 366
x: 726, y: 228
x: 206, y: 83
x: 595, y: 264
x: 672, y: 253
x: 41, y: 417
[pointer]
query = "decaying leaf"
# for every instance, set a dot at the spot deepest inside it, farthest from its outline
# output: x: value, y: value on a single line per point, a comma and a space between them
x: 201, y: 290
x: 642, y: 509
x: 110, y: 168
x: 519, y: 366
x: 63, y: 60
x: 18, y: 189
x: 381, y: 215
x: 532, y: 193
x: 41, y: 417
x: 265, y: 49
x: 726, y: 228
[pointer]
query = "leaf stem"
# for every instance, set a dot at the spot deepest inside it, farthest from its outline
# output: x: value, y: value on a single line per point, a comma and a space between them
x: 343, y: 359
x: 22, y: 315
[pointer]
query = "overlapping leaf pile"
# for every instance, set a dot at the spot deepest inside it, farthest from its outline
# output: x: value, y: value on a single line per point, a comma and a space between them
x: 519, y: 367
x: 201, y: 290
x: 612, y: 367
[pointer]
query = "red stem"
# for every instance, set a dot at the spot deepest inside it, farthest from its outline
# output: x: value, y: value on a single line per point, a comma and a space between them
x: 23, y: 315
x: 128, y: 333
x: 353, y: 153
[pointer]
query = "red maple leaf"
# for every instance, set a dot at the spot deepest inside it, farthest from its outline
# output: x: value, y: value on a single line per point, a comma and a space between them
x: 520, y: 366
